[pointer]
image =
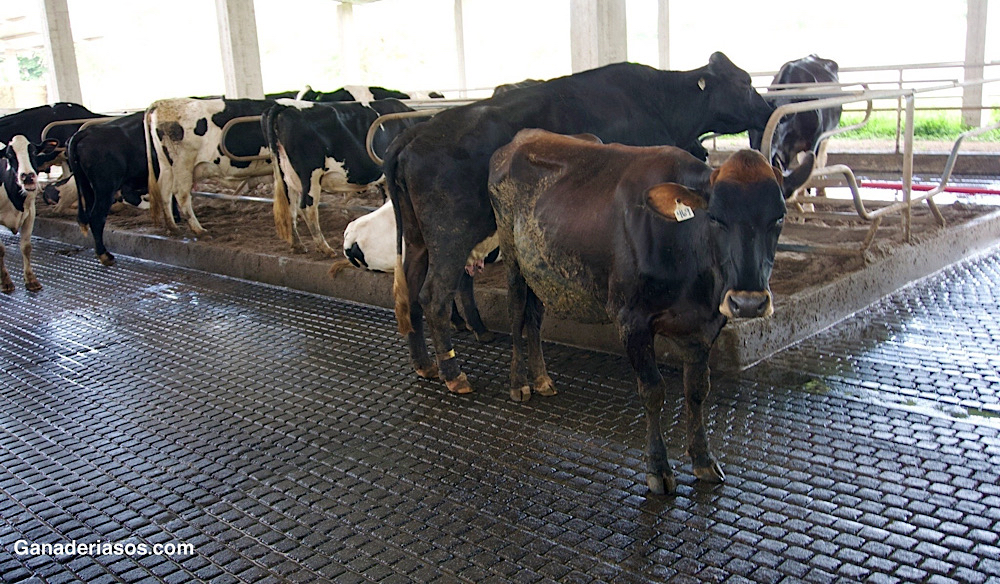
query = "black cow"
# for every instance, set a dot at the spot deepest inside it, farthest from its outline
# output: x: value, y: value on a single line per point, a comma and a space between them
x: 18, y: 183
x: 437, y: 172
x: 30, y: 123
x: 107, y: 158
x: 800, y: 132
x: 322, y: 147
x: 358, y: 93
x: 505, y: 87
x: 650, y: 239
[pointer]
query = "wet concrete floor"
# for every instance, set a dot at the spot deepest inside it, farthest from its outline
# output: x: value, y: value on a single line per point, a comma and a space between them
x: 283, y: 437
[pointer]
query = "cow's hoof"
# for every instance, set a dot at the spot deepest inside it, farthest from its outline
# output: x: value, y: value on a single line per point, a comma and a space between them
x: 710, y: 474
x: 32, y: 285
x: 520, y: 394
x: 486, y: 337
x: 7, y: 288
x: 459, y: 385
x: 107, y: 259
x: 544, y: 386
x: 664, y: 484
x: 429, y: 372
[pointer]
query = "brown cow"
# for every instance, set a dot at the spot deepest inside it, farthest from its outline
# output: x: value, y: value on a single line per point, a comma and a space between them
x: 608, y: 233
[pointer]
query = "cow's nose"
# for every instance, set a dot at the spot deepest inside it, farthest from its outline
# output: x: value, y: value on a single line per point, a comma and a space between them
x: 28, y: 179
x: 356, y: 256
x: 742, y: 304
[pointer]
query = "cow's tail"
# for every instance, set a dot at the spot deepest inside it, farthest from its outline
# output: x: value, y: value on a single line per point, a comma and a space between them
x: 280, y: 204
x: 85, y: 198
x: 156, y: 211
x: 397, y: 194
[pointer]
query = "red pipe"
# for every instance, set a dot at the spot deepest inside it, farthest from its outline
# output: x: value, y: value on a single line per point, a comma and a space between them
x: 898, y: 186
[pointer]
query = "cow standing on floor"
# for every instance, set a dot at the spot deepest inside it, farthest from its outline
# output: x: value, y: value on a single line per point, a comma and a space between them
x: 650, y: 239
x: 322, y: 147
x: 18, y: 183
x: 800, y: 132
x: 437, y: 172
x: 183, y: 138
x: 370, y: 243
x: 107, y: 158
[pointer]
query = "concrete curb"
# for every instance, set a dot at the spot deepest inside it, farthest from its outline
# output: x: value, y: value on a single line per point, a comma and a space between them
x: 741, y: 344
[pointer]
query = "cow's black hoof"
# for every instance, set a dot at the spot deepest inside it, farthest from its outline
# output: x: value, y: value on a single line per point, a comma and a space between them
x: 710, y: 474
x: 520, y: 394
x: 665, y: 484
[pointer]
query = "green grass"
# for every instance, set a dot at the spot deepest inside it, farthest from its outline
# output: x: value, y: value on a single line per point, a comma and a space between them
x: 927, y: 126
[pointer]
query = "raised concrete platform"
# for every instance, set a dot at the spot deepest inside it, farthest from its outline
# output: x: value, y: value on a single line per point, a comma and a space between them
x: 742, y: 343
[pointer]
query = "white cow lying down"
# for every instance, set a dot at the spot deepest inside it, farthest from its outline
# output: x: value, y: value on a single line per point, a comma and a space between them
x: 370, y: 243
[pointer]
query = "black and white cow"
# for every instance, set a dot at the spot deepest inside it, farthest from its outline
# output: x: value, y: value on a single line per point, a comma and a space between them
x: 437, y: 172
x: 30, y: 123
x: 322, y: 147
x: 18, y: 183
x: 360, y: 93
x: 183, y: 140
x: 370, y: 243
x: 105, y: 159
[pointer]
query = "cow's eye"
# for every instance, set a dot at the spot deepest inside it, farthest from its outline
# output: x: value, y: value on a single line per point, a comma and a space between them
x: 779, y: 222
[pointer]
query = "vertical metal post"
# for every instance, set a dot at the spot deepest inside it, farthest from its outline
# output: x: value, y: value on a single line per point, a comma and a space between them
x: 975, y: 55
x: 239, y: 47
x: 899, y: 109
x: 908, y: 167
x: 663, y: 33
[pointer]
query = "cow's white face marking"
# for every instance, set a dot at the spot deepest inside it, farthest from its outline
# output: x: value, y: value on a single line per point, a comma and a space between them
x: 25, y: 172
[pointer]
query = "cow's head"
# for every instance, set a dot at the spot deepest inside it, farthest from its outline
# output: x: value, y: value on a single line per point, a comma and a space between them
x: 23, y: 158
x: 745, y: 211
x: 733, y: 104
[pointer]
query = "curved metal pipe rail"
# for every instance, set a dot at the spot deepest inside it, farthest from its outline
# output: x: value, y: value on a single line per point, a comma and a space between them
x: 225, y: 131
x: 84, y: 122
x: 389, y: 117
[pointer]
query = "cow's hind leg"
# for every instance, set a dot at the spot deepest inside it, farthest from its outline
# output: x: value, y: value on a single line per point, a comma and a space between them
x: 534, y: 311
x: 6, y: 284
x: 415, y: 273
x: 517, y: 298
x: 638, y: 341
x: 184, y: 182
x: 696, y: 388
x: 436, y: 297
x: 311, y: 212
x: 466, y: 299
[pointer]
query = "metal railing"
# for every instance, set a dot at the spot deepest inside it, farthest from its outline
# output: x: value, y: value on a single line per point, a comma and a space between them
x: 905, y: 206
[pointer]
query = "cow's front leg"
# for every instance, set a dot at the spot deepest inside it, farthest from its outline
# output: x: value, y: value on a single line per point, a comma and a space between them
x: 696, y: 388
x: 638, y: 341
x: 6, y: 284
x: 30, y: 281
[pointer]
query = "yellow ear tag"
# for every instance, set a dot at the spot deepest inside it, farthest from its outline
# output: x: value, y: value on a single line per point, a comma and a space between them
x: 682, y: 212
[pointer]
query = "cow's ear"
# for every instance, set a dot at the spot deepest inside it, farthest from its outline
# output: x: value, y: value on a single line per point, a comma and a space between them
x: 673, y: 201
x: 719, y: 63
x: 795, y: 178
x: 47, y: 146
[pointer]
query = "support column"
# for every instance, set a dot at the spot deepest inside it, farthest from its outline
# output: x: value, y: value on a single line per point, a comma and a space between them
x: 350, y: 56
x: 597, y: 33
x: 975, y: 56
x: 64, y: 78
x: 663, y: 33
x: 460, y: 47
x: 240, y: 51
